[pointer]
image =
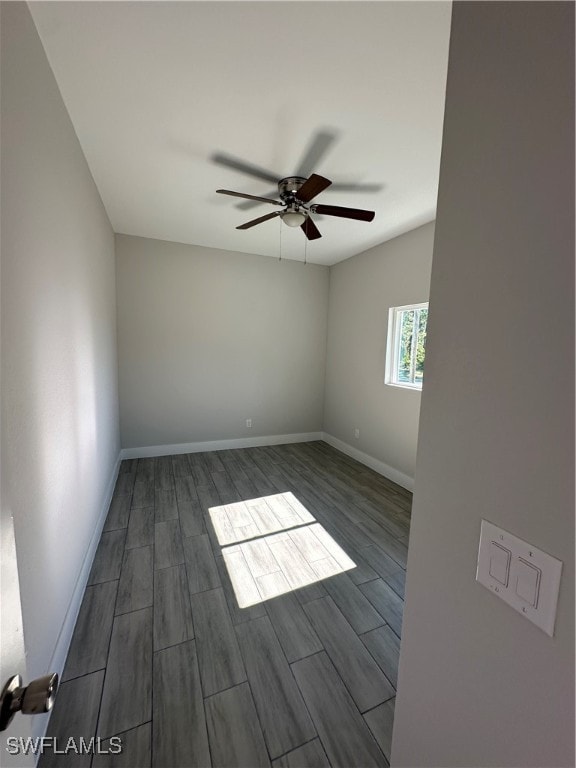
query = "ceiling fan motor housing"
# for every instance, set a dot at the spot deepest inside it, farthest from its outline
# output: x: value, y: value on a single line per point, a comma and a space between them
x: 288, y: 187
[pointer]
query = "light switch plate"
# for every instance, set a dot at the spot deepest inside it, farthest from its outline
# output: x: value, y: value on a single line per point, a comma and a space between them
x: 533, y: 579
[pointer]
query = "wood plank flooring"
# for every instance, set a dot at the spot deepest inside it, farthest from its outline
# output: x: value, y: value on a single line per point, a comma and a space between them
x: 244, y: 609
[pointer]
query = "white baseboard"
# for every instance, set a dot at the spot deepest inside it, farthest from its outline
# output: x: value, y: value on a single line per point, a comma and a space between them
x: 217, y: 445
x: 378, y: 466
x: 60, y: 653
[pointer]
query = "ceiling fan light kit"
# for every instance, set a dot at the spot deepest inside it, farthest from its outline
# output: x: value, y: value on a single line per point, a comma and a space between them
x: 293, y: 217
x: 294, y: 193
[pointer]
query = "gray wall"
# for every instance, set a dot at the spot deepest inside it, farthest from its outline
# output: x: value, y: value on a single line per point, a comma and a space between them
x: 60, y: 440
x: 362, y: 289
x: 479, y: 685
x: 209, y: 338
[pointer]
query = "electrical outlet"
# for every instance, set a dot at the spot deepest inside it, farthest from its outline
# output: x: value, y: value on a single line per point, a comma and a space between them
x: 357, y: 433
x: 248, y: 422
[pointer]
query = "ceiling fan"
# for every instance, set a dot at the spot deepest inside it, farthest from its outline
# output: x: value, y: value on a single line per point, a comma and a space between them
x: 295, y: 192
x: 320, y: 144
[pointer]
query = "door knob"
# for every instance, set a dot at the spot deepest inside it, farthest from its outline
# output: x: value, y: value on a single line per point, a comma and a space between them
x: 33, y: 699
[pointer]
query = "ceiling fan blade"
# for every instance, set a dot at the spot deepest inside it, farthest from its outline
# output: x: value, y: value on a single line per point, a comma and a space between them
x: 345, y: 213
x: 312, y: 187
x: 240, y: 165
x: 310, y: 229
x: 249, y: 197
x: 337, y: 187
x: 247, y: 204
x: 259, y: 221
x: 317, y: 149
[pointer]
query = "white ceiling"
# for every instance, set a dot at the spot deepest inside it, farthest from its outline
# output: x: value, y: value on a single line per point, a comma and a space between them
x: 154, y: 89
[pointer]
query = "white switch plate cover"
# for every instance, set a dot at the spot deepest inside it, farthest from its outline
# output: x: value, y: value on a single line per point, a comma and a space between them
x: 543, y: 614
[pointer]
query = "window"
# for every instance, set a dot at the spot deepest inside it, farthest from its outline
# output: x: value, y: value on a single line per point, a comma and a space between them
x: 406, y: 345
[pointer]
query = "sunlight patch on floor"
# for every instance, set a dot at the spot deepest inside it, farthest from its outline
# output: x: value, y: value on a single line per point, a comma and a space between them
x: 272, y: 545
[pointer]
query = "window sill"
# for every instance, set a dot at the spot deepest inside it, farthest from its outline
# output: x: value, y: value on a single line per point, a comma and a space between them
x: 408, y: 387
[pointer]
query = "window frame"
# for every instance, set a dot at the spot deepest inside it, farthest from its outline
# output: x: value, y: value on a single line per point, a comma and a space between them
x: 393, y: 347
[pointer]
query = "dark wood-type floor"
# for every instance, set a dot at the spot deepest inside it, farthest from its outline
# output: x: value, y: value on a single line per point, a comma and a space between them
x: 221, y: 633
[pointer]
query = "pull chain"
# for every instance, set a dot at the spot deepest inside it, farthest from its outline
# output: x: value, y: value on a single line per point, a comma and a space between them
x: 305, y: 247
x: 280, y: 250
